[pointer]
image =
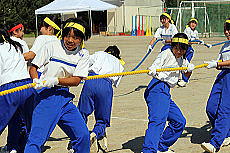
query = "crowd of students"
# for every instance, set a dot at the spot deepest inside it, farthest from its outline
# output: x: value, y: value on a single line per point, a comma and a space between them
x: 58, y: 60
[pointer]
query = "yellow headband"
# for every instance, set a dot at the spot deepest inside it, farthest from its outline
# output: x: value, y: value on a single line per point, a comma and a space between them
x: 193, y: 19
x: 227, y: 21
x: 168, y: 16
x: 76, y: 26
x: 180, y: 40
x: 51, y: 23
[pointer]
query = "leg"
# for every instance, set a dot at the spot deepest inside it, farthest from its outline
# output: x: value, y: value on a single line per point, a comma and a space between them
x: 158, y: 100
x: 74, y: 126
x: 86, y: 101
x: 44, y: 120
x: 103, y: 107
x: 174, y: 129
x: 222, y: 123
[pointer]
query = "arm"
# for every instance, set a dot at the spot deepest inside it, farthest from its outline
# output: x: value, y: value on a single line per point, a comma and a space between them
x: 224, y: 63
x: 33, y: 71
x: 29, y: 55
x: 70, y: 81
x: 152, y: 41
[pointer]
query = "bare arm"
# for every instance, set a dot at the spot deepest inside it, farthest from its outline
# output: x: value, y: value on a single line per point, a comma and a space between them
x: 33, y: 71
x: 29, y: 55
x: 70, y: 81
x: 224, y: 63
x: 152, y: 41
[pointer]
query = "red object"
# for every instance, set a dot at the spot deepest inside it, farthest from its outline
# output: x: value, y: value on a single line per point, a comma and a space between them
x: 138, y: 28
x: 16, y: 27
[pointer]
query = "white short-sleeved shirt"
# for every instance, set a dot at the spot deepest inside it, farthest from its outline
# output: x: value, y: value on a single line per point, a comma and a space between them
x: 192, y: 34
x: 104, y: 63
x: 166, y: 34
x: 58, y: 62
x: 224, y: 53
x: 22, y: 42
x: 39, y: 42
x: 12, y: 64
x: 166, y: 59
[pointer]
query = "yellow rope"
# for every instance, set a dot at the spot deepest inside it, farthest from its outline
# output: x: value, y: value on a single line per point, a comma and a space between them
x: 30, y: 85
x: 140, y: 72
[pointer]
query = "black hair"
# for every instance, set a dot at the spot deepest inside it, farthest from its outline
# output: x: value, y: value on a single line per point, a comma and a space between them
x: 10, y: 26
x: 5, y: 37
x: 163, y: 17
x: 85, y: 36
x: 227, y: 25
x: 113, y: 50
x: 55, y: 20
x: 179, y: 45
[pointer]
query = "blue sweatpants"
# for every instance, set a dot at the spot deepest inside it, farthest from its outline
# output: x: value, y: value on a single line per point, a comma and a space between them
x: 15, y: 106
x: 97, y: 96
x: 189, y: 55
x: 161, y: 109
x: 55, y: 107
x: 218, y: 108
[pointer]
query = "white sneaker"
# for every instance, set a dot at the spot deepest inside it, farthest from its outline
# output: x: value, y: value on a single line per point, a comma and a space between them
x: 181, y: 83
x: 93, y: 138
x: 13, y: 151
x: 103, y: 143
x: 70, y: 151
x: 208, y: 147
x: 168, y: 151
x: 226, y: 142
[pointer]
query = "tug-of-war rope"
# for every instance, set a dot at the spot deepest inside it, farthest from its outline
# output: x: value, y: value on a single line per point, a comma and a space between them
x: 31, y: 85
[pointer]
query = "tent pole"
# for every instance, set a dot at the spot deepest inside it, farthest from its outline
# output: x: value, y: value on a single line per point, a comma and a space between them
x: 36, y: 16
x: 91, y: 22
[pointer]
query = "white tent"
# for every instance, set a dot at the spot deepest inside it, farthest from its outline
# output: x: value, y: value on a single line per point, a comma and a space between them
x: 73, y: 6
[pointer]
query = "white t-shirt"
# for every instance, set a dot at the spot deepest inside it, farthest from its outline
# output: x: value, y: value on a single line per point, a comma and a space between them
x: 60, y: 63
x: 39, y: 42
x: 192, y: 34
x: 166, y: 34
x: 224, y: 53
x: 12, y: 64
x: 166, y: 59
x: 22, y: 42
x: 103, y: 63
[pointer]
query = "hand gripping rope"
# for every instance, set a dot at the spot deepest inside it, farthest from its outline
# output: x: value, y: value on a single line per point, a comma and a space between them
x: 147, y: 54
x: 30, y: 85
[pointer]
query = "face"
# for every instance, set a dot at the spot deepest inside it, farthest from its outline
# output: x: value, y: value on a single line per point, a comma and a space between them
x: 71, y: 41
x: 164, y: 21
x: 227, y: 33
x: 192, y: 25
x: 19, y: 33
x: 44, y: 30
x: 178, y: 52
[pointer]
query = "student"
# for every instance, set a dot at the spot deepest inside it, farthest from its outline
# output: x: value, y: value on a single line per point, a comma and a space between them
x: 97, y: 94
x: 166, y: 31
x: 218, y: 105
x: 161, y: 107
x: 65, y: 64
x: 13, y: 73
x: 16, y: 128
x: 192, y: 34
x: 16, y: 31
x: 50, y: 30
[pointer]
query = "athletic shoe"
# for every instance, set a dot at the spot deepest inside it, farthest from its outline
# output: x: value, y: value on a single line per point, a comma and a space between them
x: 168, y: 151
x: 103, y: 144
x: 208, y: 147
x: 70, y: 151
x: 13, y: 151
x: 181, y: 83
x: 226, y: 142
x: 93, y: 138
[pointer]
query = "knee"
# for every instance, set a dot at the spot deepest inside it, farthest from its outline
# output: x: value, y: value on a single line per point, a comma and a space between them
x: 180, y: 124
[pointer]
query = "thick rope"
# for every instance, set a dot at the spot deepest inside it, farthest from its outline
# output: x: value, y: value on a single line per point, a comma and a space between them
x: 213, y: 44
x: 147, y: 54
x: 30, y: 85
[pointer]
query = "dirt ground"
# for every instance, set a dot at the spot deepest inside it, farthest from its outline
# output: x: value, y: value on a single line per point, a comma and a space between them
x: 129, y: 114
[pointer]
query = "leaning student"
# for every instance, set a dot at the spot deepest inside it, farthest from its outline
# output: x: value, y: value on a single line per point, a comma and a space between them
x: 161, y: 107
x: 65, y: 64
x: 218, y: 105
x: 165, y: 32
x: 13, y: 73
x: 97, y: 95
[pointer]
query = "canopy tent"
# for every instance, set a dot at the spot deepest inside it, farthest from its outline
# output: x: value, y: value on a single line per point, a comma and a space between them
x: 73, y: 6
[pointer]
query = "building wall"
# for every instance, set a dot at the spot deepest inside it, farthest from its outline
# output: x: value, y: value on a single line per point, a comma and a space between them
x: 121, y: 17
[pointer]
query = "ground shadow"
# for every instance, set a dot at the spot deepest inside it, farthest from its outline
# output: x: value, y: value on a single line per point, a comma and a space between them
x: 44, y: 148
x: 57, y: 139
x: 198, y: 135
x: 136, y: 89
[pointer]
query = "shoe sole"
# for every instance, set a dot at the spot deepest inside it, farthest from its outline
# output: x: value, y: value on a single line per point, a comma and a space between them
x: 206, y: 149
